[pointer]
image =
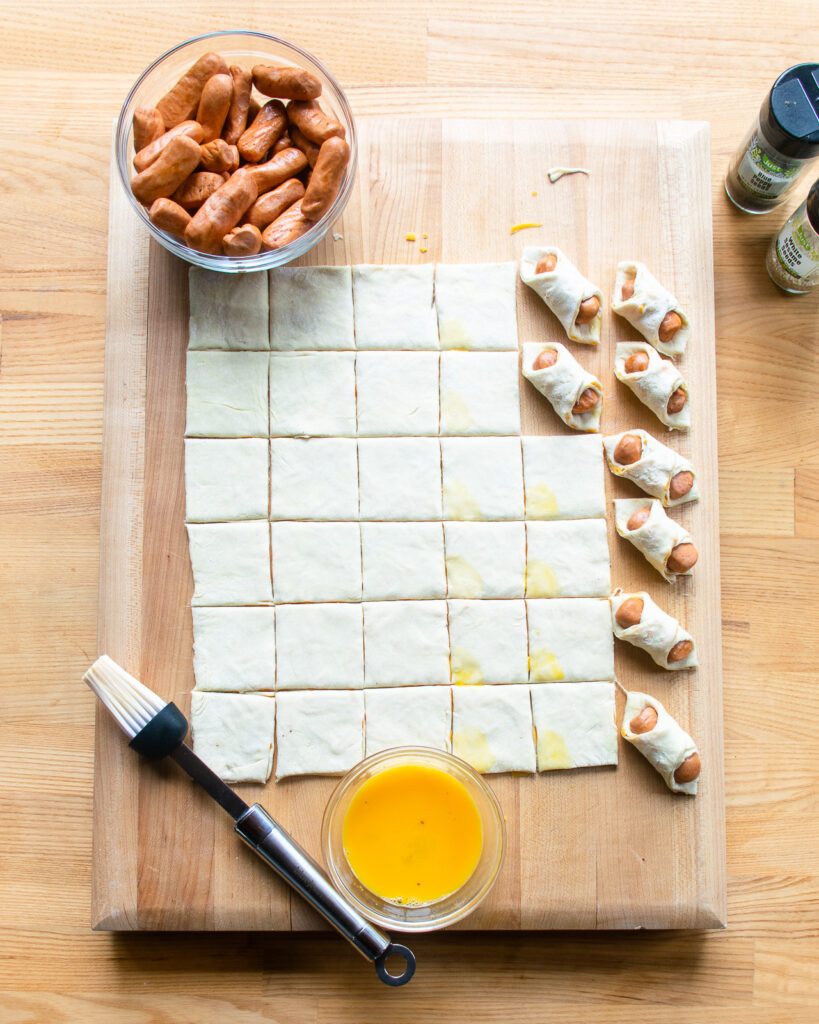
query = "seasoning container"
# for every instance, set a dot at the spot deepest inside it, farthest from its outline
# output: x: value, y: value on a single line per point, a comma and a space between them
x: 782, y: 141
x: 792, y: 260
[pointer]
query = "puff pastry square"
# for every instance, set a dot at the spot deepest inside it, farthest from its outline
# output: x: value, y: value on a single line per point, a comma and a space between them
x: 575, y: 725
x: 227, y: 394
x: 228, y: 311
x: 570, y: 640
x: 564, y: 477
x: 316, y: 562
x: 476, y: 305
x: 403, y: 560
x: 311, y: 308
x: 492, y: 728
x: 312, y: 394
x: 408, y: 716
x: 318, y: 733
x: 313, y: 479
x: 485, y: 559
x: 230, y: 562
x: 488, y: 642
x: 393, y: 307
x: 480, y: 393
x: 226, y: 479
x: 234, y: 648
x: 397, y: 393
x: 319, y: 646
x: 400, y: 478
x: 233, y: 734
x: 482, y: 477
x: 567, y: 558
x: 406, y: 643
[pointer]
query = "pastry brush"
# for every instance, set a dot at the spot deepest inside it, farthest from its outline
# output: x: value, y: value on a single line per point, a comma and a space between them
x: 157, y: 729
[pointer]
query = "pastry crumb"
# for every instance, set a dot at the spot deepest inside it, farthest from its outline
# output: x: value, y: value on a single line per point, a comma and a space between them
x: 410, y: 236
x: 522, y: 227
x: 337, y: 237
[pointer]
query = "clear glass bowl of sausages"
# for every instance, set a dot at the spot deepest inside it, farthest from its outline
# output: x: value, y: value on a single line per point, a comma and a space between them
x: 238, y: 151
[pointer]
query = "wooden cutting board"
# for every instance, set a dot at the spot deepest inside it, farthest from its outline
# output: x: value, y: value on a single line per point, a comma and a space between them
x: 597, y: 848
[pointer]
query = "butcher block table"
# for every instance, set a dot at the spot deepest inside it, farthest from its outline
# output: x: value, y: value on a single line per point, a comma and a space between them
x: 65, y: 70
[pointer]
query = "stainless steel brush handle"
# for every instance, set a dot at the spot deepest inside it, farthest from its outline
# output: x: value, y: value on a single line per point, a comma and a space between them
x: 297, y: 867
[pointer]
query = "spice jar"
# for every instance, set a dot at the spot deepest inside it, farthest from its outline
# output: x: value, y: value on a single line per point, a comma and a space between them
x: 780, y: 144
x: 792, y: 261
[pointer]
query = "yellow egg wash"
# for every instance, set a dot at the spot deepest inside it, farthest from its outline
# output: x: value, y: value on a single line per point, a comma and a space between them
x: 412, y: 834
x: 459, y: 501
x: 465, y: 670
x: 472, y: 746
x: 541, y: 580
x: 552, y: 751
x: 544, y: 667
x: 464, y: 579
x: 541, y: 503
x: 456, y: 413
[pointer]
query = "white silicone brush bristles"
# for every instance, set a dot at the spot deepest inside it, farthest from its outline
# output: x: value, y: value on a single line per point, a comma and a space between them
x: 132, y: 704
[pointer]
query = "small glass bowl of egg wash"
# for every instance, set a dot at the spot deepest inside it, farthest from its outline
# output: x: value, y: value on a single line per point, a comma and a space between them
x: 414, y: 837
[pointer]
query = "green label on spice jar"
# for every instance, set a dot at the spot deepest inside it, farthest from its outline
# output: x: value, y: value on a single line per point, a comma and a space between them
x: 764, y: 175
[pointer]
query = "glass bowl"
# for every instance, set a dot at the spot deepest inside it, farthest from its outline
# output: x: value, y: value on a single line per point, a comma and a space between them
x: 429, y: 916
x: 246, y: 49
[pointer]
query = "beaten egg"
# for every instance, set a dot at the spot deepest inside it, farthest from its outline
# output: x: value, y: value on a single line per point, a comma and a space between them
x: 412, y: 834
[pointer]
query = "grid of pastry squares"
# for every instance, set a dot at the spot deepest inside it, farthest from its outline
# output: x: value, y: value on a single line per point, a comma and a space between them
x: 379, y: 557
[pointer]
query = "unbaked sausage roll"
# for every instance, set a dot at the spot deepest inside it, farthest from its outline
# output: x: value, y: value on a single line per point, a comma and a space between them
x: 662, y: 541
x: 574, y: 394
x: 657, y: 469
x: 639, y: 620
x: 573, y: 299
x: 668, y: 748
x: 655, y: 381
x: 641, y: 299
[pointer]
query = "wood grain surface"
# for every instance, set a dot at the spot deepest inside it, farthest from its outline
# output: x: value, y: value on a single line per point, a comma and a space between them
x: 64, y: 72
x: 586, y: 849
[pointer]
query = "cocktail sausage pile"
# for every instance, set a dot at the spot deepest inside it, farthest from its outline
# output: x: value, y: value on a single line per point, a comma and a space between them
x: 229, y: 177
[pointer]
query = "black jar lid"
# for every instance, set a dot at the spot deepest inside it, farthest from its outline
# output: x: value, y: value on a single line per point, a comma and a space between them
x: 790, y: 113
